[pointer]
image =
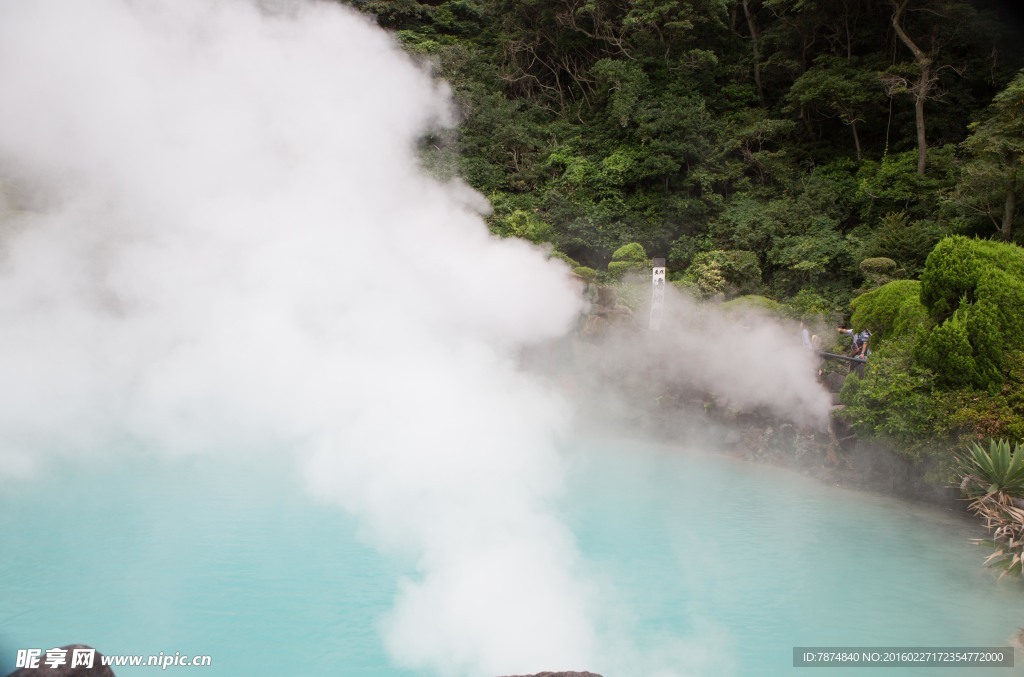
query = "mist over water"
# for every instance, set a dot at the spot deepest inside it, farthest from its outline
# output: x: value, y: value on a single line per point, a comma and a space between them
x: 219, y: 240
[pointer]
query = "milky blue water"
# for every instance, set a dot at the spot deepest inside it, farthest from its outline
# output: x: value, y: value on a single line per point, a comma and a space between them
x: 231, y: 559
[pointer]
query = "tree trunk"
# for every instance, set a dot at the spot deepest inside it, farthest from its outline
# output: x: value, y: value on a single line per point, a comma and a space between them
x: 1010, y: 206
x: 920, y: 94
x: 755, y: 43
x: 924, y: 84
x: 856, y: 138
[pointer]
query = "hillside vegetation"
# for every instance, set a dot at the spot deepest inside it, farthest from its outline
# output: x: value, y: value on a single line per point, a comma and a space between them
x: 814, y: 153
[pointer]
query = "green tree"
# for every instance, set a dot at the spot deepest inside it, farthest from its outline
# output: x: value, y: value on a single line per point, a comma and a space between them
x: 920, y: 79
x: 992, y: 180
x: 725, y: 272
x: 836, y: 87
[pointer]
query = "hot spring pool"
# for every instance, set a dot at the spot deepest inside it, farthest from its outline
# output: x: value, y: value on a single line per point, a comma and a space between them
x: 206, y: 556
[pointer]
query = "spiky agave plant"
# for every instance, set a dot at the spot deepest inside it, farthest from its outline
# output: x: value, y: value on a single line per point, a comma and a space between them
x: 993, y: 480
x: 999, y: 470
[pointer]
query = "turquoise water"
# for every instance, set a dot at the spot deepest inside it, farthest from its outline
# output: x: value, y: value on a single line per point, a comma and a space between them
x: 740, y: 561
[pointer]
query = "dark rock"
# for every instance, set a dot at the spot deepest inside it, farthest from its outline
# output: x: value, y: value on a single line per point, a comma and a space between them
x: 97, y: 669
x: 834, y: 381
x: 560, y: 674
x: 606, y: 296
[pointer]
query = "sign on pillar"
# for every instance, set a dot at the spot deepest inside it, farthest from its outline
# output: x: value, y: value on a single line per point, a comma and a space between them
x: 657, y: 294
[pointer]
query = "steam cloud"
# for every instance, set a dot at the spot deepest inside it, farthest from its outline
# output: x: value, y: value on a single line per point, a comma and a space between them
x: 218, y: 240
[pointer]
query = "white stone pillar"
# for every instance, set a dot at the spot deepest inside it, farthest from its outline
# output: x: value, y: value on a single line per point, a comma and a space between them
x: 657, y: 294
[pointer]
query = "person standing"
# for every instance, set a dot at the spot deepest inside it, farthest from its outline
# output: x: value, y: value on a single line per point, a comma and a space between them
x: 860, y: 341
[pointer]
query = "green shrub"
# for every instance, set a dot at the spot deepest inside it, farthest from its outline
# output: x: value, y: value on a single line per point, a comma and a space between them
x: 684, y: 248
x: 725, y: 272
x: 632, y: 252
x: 895, y: 400
x: 958, y: 266
x: 564, y: 258
x: 617, y: 270
x: 525, y: 225
x: 629, y: 258
x: 974, y: 414
x: 892, y: 309
x: 974, y: 292
x: 752, y: 302
x: 878, y: 266
x: 904, y: 241
x: 588, y: 274
x: 707, y: 276
x: 810, y: 304
x: 996, y: 469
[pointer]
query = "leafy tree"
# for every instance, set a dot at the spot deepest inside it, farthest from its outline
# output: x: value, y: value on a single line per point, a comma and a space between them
x: 725, y: 272
x: 904, y: 241
x: 940, y: 22
x: 892, y: 185
x: 992, y: 181
x: 524, y: 225
x: 836, y: 87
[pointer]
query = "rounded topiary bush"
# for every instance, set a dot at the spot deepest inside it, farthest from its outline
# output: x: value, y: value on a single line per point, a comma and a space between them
x: 958, y: 266
x: 974, y: 293
x: 755, y: 303
x: 619, y: 269
x: 893, y: 309
x: 629, y: 258
x: 633, y: 252
x: 878, y: 265
x: 588, y: 274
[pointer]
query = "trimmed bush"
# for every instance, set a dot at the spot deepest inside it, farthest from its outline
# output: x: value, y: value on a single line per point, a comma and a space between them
x: 633, y: 252
x: 958, y: 266
x: 588, y: 274
x: 619, y: 269
x: 891, y: 310
x: 974, y: 292
x: 879, y: 265
x: 628, y: 258
x: 752, y: 302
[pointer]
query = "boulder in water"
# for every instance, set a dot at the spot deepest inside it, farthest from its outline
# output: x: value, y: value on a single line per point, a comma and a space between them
x: 65, y: 670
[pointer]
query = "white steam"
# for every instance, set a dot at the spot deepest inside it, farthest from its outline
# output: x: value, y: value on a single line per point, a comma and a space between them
x: 219, y: 240
x: 746, y: 358
x: 238, y: 251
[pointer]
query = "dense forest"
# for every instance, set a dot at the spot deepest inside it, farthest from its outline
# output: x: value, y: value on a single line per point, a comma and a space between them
x: 807, y: 151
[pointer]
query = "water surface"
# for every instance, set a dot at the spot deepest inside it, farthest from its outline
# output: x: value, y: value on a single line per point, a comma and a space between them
x: 737, y: 563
